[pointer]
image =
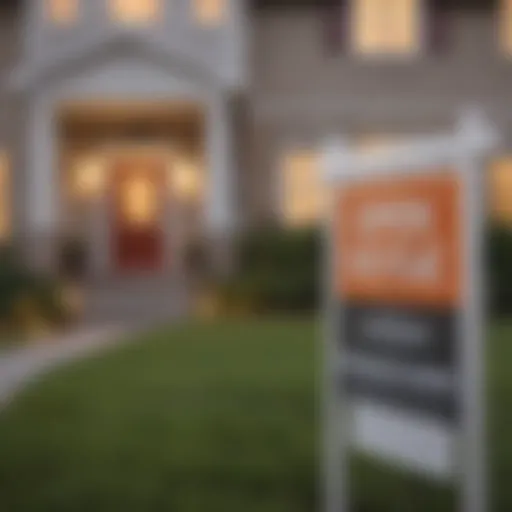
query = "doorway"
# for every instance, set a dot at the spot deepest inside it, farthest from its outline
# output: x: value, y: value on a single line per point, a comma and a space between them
x: 137, y: 214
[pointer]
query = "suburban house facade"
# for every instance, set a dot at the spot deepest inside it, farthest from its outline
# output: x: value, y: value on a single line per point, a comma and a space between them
x: 142, y: 126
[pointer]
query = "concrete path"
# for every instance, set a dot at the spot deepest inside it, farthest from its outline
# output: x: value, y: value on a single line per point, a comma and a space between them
x: 21, y: 365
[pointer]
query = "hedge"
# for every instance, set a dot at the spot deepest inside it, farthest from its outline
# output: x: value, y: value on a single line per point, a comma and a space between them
x: 278, y: 270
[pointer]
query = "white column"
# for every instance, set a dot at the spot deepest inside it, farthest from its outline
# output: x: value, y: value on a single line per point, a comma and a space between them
x: 42, y: 182
x: 219, y: 207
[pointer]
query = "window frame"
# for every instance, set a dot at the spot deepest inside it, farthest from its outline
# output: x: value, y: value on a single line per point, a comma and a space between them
x: 498, y: 164
x: 503, y: 30
x: 395, y: 55
x: 279, y: 182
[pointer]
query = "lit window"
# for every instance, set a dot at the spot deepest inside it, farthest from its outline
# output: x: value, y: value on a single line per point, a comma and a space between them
x: 185, y: 179
x: 210, y: 12
x: 501, y: 189
x: 62, y: 12
x: 384, y: 27
x: 5, y: 197
x: 88, y: 177
x: 134, y: 12
x: 303, y: 198
x: 506, y: 26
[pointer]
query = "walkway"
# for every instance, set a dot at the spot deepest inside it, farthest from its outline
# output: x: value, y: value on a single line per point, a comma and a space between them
x: 20, y: 365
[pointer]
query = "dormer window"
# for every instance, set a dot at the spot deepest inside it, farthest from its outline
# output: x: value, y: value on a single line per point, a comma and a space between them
x: 62, y: 12
x: 210, y: 12
x: 386, y: 27
x: 135, y: 12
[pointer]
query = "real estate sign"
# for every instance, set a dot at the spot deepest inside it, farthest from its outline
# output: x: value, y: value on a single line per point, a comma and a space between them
x: 398, y: 286
x: 404, y: 308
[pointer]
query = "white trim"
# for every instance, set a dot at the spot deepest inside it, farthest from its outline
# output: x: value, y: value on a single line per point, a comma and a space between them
x: 417, y: 155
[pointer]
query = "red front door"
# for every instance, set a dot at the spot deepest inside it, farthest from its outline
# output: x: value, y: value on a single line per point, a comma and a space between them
x: 138, y: 188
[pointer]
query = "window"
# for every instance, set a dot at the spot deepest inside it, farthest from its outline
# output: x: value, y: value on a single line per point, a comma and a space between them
x: 135, y: 12
x: 384, y: 27
x: 210, y: 12
x: 303, y: 195
x: 62, y: 12
x: 5, y: 197
x: 501, y: 189
x: 506, y: 26
x: 87, y: 178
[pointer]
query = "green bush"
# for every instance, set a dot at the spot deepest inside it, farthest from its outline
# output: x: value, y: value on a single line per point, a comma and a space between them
x: 277, y: 270
x: 499, y: 257
x: 27, y: 298
x: 73, y: 257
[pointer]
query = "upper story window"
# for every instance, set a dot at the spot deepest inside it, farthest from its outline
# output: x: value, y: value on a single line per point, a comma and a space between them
x: 135, y: 12
x: 506, y: 26
x: 386, y: 27
x: 210, y: 12
x: 62, y: 12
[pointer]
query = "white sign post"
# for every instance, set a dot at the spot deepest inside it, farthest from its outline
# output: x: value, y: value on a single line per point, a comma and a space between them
x: 404, y: 361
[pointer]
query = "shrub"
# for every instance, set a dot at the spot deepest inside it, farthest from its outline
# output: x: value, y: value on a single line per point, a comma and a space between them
x: 73, y: 257
x: 499, y: 257
x: 27, y: 298
x: 277, y: 271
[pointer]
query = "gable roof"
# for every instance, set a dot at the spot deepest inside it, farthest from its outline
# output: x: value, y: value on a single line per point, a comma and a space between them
x: 74, y: 59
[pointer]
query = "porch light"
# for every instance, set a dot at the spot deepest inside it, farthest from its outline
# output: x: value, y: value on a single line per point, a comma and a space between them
x: 89, y: 178
x: 185, y: 179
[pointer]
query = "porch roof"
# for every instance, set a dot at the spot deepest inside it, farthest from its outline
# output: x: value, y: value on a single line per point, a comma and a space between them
x: 74, y: 59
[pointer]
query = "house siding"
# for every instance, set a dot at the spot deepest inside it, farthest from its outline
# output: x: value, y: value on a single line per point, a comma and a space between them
x: 300, y: 92
x: 12, y: 108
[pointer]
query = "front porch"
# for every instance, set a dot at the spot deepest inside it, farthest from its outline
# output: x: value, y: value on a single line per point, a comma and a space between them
x: 132, y: 188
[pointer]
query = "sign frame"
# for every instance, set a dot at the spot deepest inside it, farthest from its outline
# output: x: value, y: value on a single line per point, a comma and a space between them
x: 462, y: 151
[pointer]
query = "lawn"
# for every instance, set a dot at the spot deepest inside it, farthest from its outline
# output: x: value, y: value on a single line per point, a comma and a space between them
x: 217, y: 417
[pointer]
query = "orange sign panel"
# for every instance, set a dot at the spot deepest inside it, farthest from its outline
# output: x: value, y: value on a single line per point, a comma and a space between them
x: 398, y: 240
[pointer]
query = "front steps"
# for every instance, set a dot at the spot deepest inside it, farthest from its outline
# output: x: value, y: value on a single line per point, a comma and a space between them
x: 135, y: 300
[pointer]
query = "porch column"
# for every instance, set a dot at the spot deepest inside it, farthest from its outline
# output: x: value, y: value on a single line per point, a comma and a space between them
x: 42, y: 186
x: 220, y: 204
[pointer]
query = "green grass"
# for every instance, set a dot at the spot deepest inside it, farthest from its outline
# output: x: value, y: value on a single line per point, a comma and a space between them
x: 198, y: 418
x: 218, y: 417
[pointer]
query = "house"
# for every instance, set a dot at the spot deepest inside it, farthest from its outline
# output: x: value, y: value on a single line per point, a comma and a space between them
x: 141, y: 126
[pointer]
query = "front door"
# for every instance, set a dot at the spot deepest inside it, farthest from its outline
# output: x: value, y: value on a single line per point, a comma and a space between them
x: 138, y: 195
